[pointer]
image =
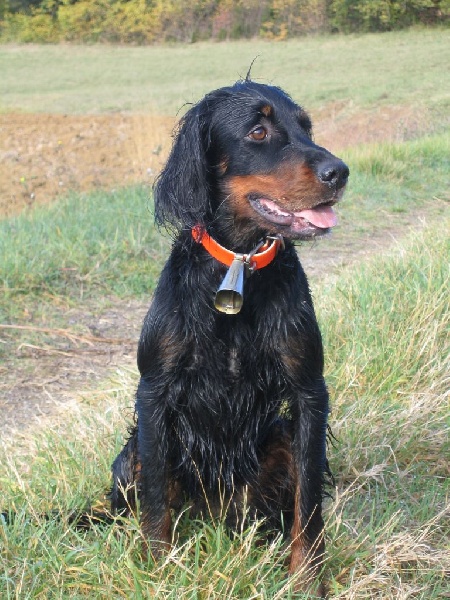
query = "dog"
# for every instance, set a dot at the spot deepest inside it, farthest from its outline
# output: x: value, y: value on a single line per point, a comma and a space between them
x: 231, y: 407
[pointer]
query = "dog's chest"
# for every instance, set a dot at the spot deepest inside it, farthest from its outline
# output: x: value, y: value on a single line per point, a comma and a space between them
x: 233, y: 363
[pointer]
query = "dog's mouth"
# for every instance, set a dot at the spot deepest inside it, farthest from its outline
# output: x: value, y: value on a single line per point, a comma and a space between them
x: 309, y: 222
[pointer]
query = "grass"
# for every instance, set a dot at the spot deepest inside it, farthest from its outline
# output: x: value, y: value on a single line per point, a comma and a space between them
x: 385, y: 321
x: 393, y: 180
x: 400, y: 68
x: 396, y: 350
x: 63, y: 252
x: 385, y: 327
x: 386, y: 333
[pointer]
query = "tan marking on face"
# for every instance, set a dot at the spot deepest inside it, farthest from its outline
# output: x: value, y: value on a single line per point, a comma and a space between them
x: 222, y: 166
x: 267, y: 110
x: 293, y: 186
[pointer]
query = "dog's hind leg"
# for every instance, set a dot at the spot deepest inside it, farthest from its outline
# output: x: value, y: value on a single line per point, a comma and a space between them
x: 125, y: 471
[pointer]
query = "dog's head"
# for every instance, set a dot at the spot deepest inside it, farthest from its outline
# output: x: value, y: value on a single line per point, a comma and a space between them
x: 243, y: 160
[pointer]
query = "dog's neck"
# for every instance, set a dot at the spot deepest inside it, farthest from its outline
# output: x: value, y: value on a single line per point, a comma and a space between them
x: 257, y: 258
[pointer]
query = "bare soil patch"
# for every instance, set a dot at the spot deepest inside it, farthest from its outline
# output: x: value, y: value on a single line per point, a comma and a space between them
x: 46, y: 371
x: 42, y: 157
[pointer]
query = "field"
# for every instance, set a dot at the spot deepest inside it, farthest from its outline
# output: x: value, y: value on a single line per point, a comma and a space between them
x: 84, y: 130
x: 48, y: 144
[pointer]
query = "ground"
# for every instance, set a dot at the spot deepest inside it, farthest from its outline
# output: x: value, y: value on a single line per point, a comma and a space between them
x: 42, y: 157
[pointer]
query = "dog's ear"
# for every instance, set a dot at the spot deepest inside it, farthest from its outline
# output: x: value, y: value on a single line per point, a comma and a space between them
x: 181, y: 192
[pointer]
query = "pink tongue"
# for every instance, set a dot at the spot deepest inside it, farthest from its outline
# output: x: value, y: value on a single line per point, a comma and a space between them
x: 321, y: 216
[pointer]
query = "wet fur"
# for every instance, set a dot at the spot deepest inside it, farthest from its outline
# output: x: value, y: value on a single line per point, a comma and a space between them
x: 232, y: 410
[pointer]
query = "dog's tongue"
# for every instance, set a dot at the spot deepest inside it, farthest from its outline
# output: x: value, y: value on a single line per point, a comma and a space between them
x: 321, y: 216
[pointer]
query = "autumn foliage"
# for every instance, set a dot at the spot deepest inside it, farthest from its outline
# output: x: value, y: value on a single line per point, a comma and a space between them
x: 152, y: 21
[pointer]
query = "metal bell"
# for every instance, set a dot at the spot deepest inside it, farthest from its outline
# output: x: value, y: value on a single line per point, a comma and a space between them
x: 230, y: 295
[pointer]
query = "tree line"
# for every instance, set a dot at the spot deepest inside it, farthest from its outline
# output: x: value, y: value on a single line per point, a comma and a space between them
x: 152, y: 21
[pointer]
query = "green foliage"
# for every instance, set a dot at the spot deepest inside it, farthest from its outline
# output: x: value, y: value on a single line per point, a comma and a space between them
x: 144, y: 22
x: 38, y: 27
x: 384, y: 15
x: 290, y: 18
x: 125, y: 22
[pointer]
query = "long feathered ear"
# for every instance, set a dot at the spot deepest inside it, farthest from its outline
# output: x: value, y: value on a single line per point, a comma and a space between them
x: 181, y: 191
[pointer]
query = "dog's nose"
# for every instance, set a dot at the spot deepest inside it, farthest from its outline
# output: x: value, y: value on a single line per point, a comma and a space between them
x: 334, y: 172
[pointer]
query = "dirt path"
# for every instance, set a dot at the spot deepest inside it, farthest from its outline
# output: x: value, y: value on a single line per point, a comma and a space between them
x: 42, y: 377
x: 43, y: 156
x: 40, y: 380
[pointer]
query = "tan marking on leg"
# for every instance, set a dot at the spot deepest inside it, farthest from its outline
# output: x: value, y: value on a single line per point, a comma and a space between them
x: 306, y: 557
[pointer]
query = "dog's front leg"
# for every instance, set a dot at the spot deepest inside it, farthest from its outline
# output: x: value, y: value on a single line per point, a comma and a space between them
x: 309, y: 451
x: 156, y: 521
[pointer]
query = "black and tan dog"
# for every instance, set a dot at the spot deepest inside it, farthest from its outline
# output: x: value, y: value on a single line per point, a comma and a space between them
x: 234, y: 406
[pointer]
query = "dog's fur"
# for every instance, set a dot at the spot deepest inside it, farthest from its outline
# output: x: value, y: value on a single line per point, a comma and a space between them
x: 232, y: 410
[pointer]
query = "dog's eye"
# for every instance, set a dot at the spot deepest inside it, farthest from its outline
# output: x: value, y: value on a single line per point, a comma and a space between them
x: 258, y: 134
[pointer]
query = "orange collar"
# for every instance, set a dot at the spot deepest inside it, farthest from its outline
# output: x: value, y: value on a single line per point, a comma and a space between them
x: 267, y: 250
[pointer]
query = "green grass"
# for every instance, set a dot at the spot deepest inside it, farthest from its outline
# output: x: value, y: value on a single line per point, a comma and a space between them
x: 385, y: 328
x: 385, y: 322
x: 391, y: 181
x: 401, y: 68
x: 396, y: 349
x: 100, y: 243
x: 65, y: 251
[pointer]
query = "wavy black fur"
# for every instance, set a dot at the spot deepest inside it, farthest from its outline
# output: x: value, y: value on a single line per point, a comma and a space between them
x: 233, y: 409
